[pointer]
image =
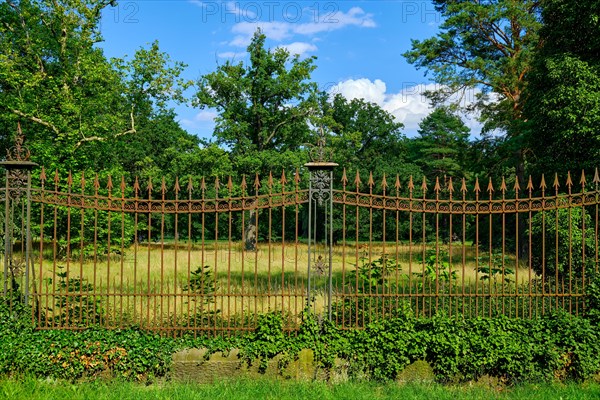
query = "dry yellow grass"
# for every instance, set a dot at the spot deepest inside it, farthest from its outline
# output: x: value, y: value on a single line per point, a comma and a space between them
x: 146, y: 282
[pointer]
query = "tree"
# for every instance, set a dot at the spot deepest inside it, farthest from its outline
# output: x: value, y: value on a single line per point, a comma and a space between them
x: 486, y: 46
x: 441, y: 148
x: 73, y: 102
x: 364, y: 136
x: 264, y: 107
x: 563, y: 110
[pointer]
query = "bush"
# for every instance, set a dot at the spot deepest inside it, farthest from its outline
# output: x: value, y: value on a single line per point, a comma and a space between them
x: 566, y: 225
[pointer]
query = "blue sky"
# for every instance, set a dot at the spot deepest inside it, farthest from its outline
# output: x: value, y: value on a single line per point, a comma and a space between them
x: 358, y: 44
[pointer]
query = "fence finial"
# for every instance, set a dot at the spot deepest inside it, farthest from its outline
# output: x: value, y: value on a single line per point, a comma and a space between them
x: 582, y: 181
x: 530, y: 184
x: 556, y: 184
x: 450, y: 186
x: 177, y: 188
x: 543, y: 183
x: 596, y: 176
x: 384, y: 184
x: 424, y: 185
x: 569, y: 180
x: 136, y: 186
x: 109, y: 185
x: 357, y: 180
x: 256, y: 182
x: 244, y: 185
x: 270, y: 181
x: 283, y: 180
x: 229, y: 184
x: 397, y: 184
x: 463, y: 186
x: 344, y: 177
x: 123, y: 186
x: 503, y: 186
x: 517, y: 185
x: 490, y: 187
x: 411, y: 184
x: 371, y: 182
x: 297, y: 177
x: 190, y: 185
x: 477, y: 189
x: 82, y: 181
x: 437, y: 187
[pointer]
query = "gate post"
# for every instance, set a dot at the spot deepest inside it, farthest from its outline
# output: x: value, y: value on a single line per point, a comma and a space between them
x: 320, y: 197
x: 17, y: 183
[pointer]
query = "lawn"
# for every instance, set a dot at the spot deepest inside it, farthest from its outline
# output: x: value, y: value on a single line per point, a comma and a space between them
x: 283, y: 390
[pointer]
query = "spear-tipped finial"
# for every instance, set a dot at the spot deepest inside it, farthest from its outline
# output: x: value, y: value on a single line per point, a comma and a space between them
x: 463, y: 186
x: 122, y: 186
x: 477, y: 188
x: 384, y: 184
x: 83, y: 181
x: 270, y: 180
x: 357, y: 181
x: 136, y: 186
x: 596, y: 177
x: 150, y: 186
x: 283, y: 180
x: 530, y: 184
x: 177, y: 188
x: 397, y: 183
x: 70, y: 179
x: 543, y: 183
x: 569, y: 180
x: 371, y: 182
x: 437, y: 187
x: 229, y: 184
x: 190, y: 185
x: 297, y: 177
x: 503, y: 186
x: 344, y: 177
x: 517, y: 185
x: 582, y: 181
x: 96, y: 182
x: 109, y: 184
x: 256, y: 182
x: 411, y: 183
x: 450, y: 186
x: 556, y: 183
x: 490, y: 186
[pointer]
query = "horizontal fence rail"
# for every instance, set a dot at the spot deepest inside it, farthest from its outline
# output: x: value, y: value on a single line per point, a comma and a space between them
x: 194, y: 256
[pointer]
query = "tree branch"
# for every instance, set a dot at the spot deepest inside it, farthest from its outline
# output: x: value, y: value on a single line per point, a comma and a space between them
x: 104, y: 138
x: 37, y: 120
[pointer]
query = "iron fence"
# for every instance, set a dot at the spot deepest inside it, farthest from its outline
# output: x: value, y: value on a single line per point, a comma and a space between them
x: 192, y: 256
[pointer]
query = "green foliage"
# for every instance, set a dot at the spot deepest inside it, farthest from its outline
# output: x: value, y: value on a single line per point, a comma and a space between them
x: 440, y: 147
x: 565, y: 227
x: 74, y: 302
x: 372, y: 276
x: 494, y: 268
x: 263, y: 107
x: 436, y: 267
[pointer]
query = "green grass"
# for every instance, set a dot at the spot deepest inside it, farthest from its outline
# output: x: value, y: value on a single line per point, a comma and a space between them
x: 281, y: 390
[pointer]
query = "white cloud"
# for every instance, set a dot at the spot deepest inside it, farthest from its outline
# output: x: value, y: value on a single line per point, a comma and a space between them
x: 282, y: 30
x: 300, y: 48
x: 202, y: 119
x: 409, y: 105
x: 232, y: 54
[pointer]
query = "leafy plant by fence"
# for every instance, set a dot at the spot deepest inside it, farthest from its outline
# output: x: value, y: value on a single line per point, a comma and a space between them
x: 173, y: 256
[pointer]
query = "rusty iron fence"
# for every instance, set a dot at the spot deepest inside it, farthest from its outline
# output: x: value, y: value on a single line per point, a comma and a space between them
x: 212, y: 256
